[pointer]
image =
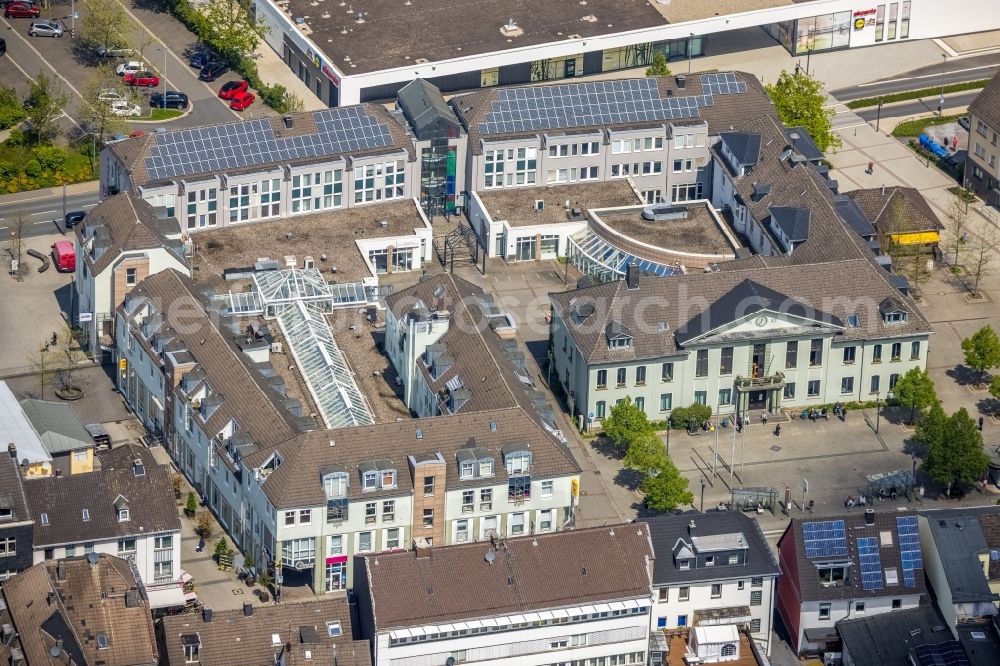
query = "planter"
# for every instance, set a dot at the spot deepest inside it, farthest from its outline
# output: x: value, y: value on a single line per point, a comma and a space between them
x: 69, y: 393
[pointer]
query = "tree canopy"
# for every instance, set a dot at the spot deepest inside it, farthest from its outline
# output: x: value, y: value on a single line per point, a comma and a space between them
x: 44, y: 104
x: 982, y: 350
x: 955, y: 455
x: 105, y: 23
x: 231, y: 29
x: 658, y: 67
x: 625, y: 423
x: 915, y: 390
x: 799, y: 101
x: 668, y: 490
x: 646, y: 454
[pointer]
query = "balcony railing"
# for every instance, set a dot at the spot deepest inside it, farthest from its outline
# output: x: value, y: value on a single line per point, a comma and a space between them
x: 776, y: 380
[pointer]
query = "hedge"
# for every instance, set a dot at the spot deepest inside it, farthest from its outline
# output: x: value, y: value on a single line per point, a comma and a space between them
x: 916, y: 94
x: 681, y: 417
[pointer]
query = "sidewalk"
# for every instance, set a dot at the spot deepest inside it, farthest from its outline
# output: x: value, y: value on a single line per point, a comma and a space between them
x: 77, y: 188
x: 272, y: 69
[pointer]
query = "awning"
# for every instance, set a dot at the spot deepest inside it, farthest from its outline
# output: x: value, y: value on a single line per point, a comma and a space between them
x: 916, y: 238
x: 821, y: 634
x: 156, y: 402
x: 166, y: 598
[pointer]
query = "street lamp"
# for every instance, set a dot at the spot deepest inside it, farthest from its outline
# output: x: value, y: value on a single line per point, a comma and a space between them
x: 878, y: 114
x: 163, y: 100
x: 944, y: 61
x: 878, y: 412
x: 702, y: 495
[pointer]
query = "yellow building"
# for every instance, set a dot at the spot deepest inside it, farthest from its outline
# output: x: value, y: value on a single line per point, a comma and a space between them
x: 901, y: 216
x: 62, y: 434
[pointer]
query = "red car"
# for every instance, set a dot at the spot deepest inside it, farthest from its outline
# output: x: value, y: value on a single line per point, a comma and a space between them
x: 142, y: 79
x: 21, y: 10
x: 242, y: 100
x: 233, y: 88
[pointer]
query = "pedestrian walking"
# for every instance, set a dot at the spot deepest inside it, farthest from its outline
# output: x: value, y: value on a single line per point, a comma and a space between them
x: 777, y: 430
x: 763, y: 418
x: 980, y: 424
x: 871, y: 168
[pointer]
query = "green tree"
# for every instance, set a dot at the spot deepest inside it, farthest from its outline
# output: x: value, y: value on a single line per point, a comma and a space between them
x: 799, y: 101
x: 659, y: 66
x: 980, y: 263
x: 646, y: 454
x: 231, y: 29
x: 930, y: 431
x: 625, y: 423
x: 11, y: 108
x: 958, y: 227
x: 957, y: 458
x: 916, y: 390
x: 44, y: 104
x: 98, y: 111
x: 982, y: 350
x: 667, y: 490
x: 105, y: 23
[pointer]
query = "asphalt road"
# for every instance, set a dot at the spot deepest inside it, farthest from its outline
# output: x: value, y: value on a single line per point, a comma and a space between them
x: 42, y: 214
x: 918, y: 106
x: 955, y: 71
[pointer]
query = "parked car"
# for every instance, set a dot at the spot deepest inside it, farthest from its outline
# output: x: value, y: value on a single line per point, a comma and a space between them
x: 110, y: 95
x: 64, y: 256
x: 125, y: 109
x: 21, y: 10
x: 113, y: 51
x: 145, y: 79
x: 74, y: 218
x: 45, y: 29
x: 199, y: 60
x: 168, y: 100
x: 241, y: 101
x: 231, y: 88
x: 3, y: 46
x: 212, y: 71
x: 129, y: 67
x: 965, y: 122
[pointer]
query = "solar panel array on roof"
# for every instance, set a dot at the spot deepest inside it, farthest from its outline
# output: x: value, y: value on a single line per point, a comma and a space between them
x: 909, y: 548
x: 949, y: 653
x: 825, y: 539
x: 586, y: 104
x: 871, y: 563
x: 218, y: 148
x: 723, y: 83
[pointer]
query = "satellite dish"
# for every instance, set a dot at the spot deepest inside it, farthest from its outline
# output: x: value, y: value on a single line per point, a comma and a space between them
x: 490, y: 556
x: 450, y: 661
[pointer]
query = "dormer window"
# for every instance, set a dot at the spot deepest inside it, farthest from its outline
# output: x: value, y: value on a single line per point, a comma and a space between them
x: 892, y: 311
x: 619, y: 336
x: 894, y: 318
x: 369, y: 481
x: 389, y: 478
x: 335, y: 484
x: 486, y: 467
x: 377, y: 474
x: 474, y: 463
x: 123, y: 515
x: 684, y: 564
x: 517, y: 462
x: 467, y: 470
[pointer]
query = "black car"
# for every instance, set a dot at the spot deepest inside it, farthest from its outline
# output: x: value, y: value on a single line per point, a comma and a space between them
x: 199, y: 60
x: 212, y: 71
x: 170, y: 100
x: 74, y: 218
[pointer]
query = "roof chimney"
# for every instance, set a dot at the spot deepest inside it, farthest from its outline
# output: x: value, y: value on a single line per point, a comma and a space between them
x: 422, y: 548
x: 289, y: 121
x: 247, y: 609
x: 60, y: 571
x: 12, y: 450
x: 869, y: 517
x: 692, y: 528
x: 883, y: 190
x: 632, y: 276
x: 206, y: 614
x: 681, y: 81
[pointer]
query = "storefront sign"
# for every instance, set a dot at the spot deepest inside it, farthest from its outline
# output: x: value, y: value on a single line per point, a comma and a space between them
x: 864, y: 17
x: 336, y: 559
x: 323, y: 67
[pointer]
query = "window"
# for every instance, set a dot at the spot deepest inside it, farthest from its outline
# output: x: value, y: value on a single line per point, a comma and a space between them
x: 756, y: 598
x: 640, y: 376
x: 735, y: 559
x: 389, y: 478
x: 893, y: 12
x: 755, y: 626
x: 545, y: 520
x: 428, y: 518
x: 915, y: 350
x: 392, y: 538
x: 126, y: 545
x: 701, y: 397
x: 816, y: 352
x: 333, y: 629
x: 683, y: 593
x: 468, y: 501
x: 710, y: 561
x: 510, y: 166
x: 667, y: 372
x: 875, y: 383
x: 371, y: 513
x: 461, y: 531
x: 335, y: 545
x: 163, y: 570
x: 789, y: 392
x: 897, y: 351
x: 791, y: 354
x: 835, y: 575
x: 8, y: 545
x: 163, y: 542
x: 661, y: 623
x: 682, y: 620
x: 547, y: 488
x: 621, y: 377
x: 979, y: 150
x: 756, y: 582
x: 686, y: 192
x: 824, y: 611
x: 70, y: 551
x: 270, y: 197
x: 377, y: 182
x: 428, y: 486
x: 726, y: 364
x: 86, y: 515
x: 701, y: 364
x: 130, y: 277
x: 849, y: 355
x: 847, y: 385
x: 684, y: 564
x: 191, y: 645
x: 897, y: 604
x: 301, y: 551
x: 388, y: 511
x: 368, y: 482
x: 812, y: 388
x: 364, y: 542
x: 601, y: 408
x: 725, y: 396
x: 517, y: 523
x: 640, y: 402
x: 305, y: 516
x: 859, y: 607
x: 666, y: 400
x: 123, y: 515
x: 663, y: 594
x: 893, y: 378
x: 716, y: 590
x: 602, y: 379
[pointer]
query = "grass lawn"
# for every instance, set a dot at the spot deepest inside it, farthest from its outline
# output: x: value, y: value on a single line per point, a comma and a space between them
x: 916, y: 127
x: 917, y: 94
x: 164, y: 114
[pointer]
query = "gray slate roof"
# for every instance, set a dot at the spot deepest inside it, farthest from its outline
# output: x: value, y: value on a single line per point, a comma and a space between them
x: 58, y: 425
x: 12, y: 489
x: 744, y: 146
x: 792, y: 220
x: 886, y: 639
x: 986, y: 105
x: 666, y: 530
x: 959, y: 540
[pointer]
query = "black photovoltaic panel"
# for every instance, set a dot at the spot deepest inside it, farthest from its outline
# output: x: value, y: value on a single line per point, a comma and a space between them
x: 871, y: 563
x: 825, y: 539
x: 252, y: 142
x: 588, y: 104
x: 949, y: 653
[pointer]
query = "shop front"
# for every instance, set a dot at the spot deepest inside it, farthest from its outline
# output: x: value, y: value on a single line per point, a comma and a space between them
x: 864, y: 26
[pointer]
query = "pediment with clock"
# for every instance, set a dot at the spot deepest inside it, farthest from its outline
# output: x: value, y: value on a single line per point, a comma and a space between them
x: 751, y: 311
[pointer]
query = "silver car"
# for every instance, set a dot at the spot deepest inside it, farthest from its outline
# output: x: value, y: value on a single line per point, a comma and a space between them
x: 45, y: 29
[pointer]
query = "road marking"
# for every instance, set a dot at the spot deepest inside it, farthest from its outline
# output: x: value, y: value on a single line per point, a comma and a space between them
x: 44, y: 212
x: 44, y: 222
x: 923, y: 76
x: 42, y: 59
